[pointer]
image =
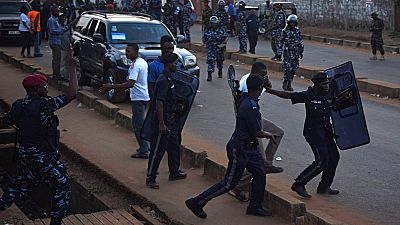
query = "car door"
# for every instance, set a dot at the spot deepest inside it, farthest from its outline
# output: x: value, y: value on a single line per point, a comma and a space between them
x: 100, y: 49
x: 90, y: 47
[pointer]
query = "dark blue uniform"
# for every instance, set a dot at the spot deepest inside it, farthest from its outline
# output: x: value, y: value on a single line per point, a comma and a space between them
x: 319, y: 135
x: 165, y: 92
x: 242, y: 154
x: 252, y: 26
x: 37, y: 151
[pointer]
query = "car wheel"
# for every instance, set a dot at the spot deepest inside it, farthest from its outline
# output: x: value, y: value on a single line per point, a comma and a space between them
x: 83, y: 79
x: 114, y: 95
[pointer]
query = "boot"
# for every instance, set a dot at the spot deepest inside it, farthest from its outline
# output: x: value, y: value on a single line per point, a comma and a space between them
x: 209, y: 77
x: 56, y: 221
x: 285, y: 85
x: 289, y: 85
x: 219, y: 73
x: 373, y: 57
x: 382, y: 58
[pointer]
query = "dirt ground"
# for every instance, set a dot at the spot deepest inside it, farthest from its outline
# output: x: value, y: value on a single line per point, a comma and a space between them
x: 363, y: 36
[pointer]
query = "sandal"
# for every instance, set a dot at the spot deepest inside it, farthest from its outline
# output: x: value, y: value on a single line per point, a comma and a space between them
x: 239, y: 195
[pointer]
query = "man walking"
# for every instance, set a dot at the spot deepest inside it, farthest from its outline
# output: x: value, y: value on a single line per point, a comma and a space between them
x: 252, y: 26
x: 242, y: 36
x: 55, y: 31
x: 376, y: 28
x: 137, y: 82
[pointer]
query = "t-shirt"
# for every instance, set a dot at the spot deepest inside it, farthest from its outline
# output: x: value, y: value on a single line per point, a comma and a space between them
x: 138, y: 72
x: 24, y: 18
x: 243, y: 85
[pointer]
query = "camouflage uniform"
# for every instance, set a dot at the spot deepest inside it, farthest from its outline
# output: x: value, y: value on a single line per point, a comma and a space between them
x: 37, y: 151
x: 223, y: 17
x: 242, y: 36
x: 293, y: 47
x: 187, y: 20
x: 279, y: 22
x: 169, y: 18
x: 154, y: 8
x: 205, y: 16
x: 213, y: 38
x: 376, y: 39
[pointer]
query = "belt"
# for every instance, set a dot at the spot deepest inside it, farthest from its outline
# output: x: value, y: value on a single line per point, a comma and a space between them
x: 247, y: 144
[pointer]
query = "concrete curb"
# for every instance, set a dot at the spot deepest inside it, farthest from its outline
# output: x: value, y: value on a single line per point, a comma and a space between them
x: 316, y: 217
x: 106, y: 108
x: 371, y: 86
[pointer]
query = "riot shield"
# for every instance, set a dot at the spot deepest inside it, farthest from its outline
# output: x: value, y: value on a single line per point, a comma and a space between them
x: 234, y: 86
x: 348, y: 118
x: 186, y: 87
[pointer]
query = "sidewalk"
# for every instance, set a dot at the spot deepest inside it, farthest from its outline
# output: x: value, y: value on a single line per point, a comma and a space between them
x: 324, y: 55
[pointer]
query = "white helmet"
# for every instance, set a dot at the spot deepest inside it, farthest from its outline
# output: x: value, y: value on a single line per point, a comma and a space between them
x: 292, y: 18
x: 221, y: 2
x: 214, y: 19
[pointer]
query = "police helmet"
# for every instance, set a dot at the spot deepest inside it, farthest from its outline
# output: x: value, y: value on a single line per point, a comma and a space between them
x: 214, y: 20
x: 292, y: 18
x: 242, y: 4
x: 221, y: 3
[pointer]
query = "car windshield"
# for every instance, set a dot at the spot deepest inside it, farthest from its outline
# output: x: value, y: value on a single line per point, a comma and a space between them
x: 139, y: 33
x: 10, y: 7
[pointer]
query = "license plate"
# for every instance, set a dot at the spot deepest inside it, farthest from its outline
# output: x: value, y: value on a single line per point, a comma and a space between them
x: 13, y: 32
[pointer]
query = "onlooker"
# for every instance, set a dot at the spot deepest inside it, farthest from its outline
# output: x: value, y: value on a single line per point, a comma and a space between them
x: 55, y: 32
x: 66, y: 51
x: 44, y: 16
x: 24, y: 28
x: 252, y: 26
x: 376, y: 28
x: 34, y: 17
x: 137, y: 82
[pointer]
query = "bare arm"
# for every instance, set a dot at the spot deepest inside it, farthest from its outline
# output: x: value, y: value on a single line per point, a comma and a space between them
x: 160, y: 115
x: 281, y: 94
x: 264, y: 134
x: 126, y: 85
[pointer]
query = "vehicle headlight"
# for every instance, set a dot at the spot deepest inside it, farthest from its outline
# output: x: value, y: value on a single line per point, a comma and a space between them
x: 190, y: 60
x: 125, y: 60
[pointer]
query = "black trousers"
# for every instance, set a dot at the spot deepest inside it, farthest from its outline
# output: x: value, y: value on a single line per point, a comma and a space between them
x: 253, y: 38
x: 26, y: 42
x: 377, y: 43
x: 326, y: 160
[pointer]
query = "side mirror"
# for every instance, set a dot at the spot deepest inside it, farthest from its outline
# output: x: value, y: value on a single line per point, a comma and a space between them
x: 180, y: 38
x: 98, y: 38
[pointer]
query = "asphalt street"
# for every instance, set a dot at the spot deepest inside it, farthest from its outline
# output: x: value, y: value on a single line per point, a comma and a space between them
x: 324, y: 55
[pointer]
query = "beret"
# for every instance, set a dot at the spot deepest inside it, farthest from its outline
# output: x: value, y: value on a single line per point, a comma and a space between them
x: 169, y: 57
x: 320, y: 77
x: 34, y: 80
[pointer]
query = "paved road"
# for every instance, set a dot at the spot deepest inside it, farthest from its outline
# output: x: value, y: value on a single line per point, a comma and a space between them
x: 367, y: 176
x: 323, y: 55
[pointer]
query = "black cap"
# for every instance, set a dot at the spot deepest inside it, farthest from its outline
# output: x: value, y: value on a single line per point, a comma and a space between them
x: 169, y: 57
x: 320, y: 77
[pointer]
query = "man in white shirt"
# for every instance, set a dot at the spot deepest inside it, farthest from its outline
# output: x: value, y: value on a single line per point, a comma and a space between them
x: 139, y: 94
x: 267, y: 153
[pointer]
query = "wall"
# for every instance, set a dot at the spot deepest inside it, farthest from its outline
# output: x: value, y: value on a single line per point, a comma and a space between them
x: 345, y: 14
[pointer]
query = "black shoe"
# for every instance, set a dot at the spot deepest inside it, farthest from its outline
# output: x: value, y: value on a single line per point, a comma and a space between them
x: 179, y: 176
x: 195, y: 208
x: 38, y: 55
x: 258, y: 212
x: 300, y: 190
x: 274, y: 169
x: 56, y: 221
x: 285, y: 85
x: 219, y: 73
x: 289, y: 86
x: 139, y: 156
x: 152, y: 184
x: 327, y: 191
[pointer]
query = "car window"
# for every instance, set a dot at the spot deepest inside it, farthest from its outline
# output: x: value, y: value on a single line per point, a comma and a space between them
x: 82, y: 23
x: 101, y: 29
x: 92, y: 27
x: 139, y: 33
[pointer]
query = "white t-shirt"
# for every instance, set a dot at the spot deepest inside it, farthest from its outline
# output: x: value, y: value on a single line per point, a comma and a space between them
x: 138, y: 72
x: 243, y: 85
x: 24, y: 18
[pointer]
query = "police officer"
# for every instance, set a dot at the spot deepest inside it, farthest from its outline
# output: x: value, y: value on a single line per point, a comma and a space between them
x: 293, y: 47
x: 37, y: 144
x: 318, y: 133
x: 166, y: 136
x: 278, y: 23
x: 242, y: 154
x: 169, y: 17
x: 252, y: 26
x: 242, y: 28
x: 187, y: 20
x: 206, y: 13
x: 222, y: 15
x: 215, y: 38
x: 154, y: 8
x: 376, y: 28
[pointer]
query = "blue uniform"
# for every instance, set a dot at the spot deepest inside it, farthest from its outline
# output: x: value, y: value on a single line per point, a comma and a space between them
x: 187, y: 20
x: 223, y: 17
x: 214, y: 38
x: 154, y: 8
x: 252, y: 26
x: 293, y: 47
x: 319, y: 135
x: 169, y: 17
x: 242, y: 30
x: 165, y: 92
x: 37, y: 151
x: 278, y: 23
x: 242, y: 154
